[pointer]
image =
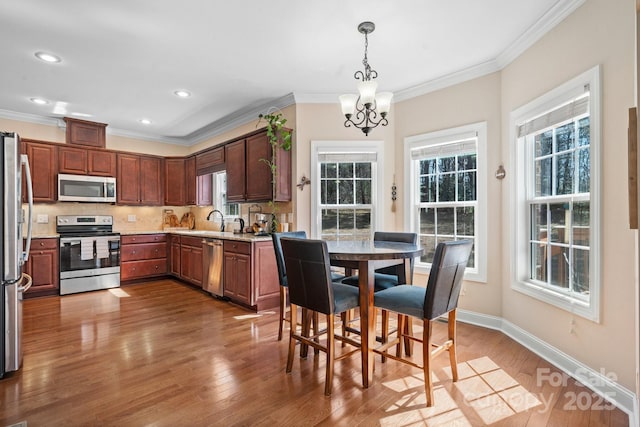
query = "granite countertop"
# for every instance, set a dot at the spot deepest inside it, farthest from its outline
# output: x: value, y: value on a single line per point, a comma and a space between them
x: 227, y: 235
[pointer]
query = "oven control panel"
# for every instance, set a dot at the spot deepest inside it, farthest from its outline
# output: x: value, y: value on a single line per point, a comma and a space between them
x: 84, y: 220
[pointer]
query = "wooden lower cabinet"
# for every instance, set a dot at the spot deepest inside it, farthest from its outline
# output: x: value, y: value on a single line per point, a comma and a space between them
x: 43, y: 267
x: 237, y: 271
x: 250, y: 274
x: 143, y: 256
x: 174, y: 255
x: 191, y: 266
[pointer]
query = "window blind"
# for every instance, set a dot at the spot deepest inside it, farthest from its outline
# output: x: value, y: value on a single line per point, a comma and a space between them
x: 466, y: 146
x: 347, y: 157
x: 575, y: 108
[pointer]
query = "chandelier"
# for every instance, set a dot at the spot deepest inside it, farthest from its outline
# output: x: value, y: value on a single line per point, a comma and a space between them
x: 368, y: 109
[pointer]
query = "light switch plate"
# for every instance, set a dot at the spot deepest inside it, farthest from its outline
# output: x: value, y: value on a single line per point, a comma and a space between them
x: 42, y: 219
x: 131, y: 218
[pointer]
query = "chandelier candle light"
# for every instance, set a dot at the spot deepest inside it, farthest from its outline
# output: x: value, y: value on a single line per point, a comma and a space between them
x: 368, y: 105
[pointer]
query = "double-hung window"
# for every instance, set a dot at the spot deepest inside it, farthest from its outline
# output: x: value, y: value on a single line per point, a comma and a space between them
x: 345, y: 190
x: 447, y: 192
x: 556, y: 145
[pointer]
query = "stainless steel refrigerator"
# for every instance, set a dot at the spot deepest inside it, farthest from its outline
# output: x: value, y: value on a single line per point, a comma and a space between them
x: 14, y: 249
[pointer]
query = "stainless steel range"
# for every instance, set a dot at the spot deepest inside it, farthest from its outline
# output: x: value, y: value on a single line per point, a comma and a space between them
x: 89, y: 253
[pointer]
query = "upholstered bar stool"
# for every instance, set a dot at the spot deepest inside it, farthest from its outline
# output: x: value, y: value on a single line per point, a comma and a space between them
x: 440, y: 297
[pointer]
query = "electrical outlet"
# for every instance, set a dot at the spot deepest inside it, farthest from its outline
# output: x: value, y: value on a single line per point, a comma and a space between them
x: 131, y: 218
x: 42, y: 219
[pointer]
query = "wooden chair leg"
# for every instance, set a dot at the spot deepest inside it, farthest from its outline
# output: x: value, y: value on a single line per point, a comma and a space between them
x: 401, y: 326
x: 452, y: 350
x: 283, y: 310
x: 330, y: 355
x: 385, y: 330
x: 306, y: 327
x: 408, y: 332
x: 345, y: 322
x: 316, y: 328
x: 426, y: 361
x: 293, y: 317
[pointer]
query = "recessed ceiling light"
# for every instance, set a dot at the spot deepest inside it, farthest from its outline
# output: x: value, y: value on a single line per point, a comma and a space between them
x: 145, y: 121
x: 48, y: 57
x: 81, y: 114
x: 39, y: 101
x: 182, y: 93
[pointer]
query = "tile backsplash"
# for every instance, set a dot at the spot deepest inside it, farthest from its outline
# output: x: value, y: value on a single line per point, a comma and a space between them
x: 138, y: 218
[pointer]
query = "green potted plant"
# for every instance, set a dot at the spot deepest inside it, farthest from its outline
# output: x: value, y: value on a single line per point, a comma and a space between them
x: 279, y: 137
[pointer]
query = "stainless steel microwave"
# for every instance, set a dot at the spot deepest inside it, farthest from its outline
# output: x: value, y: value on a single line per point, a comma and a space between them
x: 85, y: 188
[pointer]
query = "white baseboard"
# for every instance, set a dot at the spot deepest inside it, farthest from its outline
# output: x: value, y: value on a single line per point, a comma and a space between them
x: 597, y: 381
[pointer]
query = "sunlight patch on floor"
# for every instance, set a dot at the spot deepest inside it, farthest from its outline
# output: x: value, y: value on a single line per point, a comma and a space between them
x: 486, y: 389
x: 118, y: 292
x: 247, y: 316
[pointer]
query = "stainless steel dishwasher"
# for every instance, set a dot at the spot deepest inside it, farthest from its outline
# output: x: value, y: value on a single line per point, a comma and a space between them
x: 213, y: 270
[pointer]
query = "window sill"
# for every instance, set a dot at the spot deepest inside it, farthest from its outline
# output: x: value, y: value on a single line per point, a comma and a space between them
x: 562, y: 301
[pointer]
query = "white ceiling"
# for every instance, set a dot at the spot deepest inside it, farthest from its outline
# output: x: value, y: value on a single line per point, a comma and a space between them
x: 122, y: 60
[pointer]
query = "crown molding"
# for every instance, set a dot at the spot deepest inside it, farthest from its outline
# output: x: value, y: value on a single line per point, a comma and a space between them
x: 32, y: 118
x: 239, y: 118
x: 542, y: 26
x: 552, y: 17
x: 316, y: 98
x: 447, y: 80
x: 147, y: 136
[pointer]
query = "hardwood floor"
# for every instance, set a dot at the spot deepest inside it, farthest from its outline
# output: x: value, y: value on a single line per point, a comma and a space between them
x: 164, y: 354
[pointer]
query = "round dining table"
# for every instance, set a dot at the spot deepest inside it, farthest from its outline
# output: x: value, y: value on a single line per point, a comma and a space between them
x: 366, y: 257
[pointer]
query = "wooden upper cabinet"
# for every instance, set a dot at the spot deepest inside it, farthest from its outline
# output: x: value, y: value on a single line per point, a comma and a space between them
x: 82, y: 132
x: 79, y: 161
x: 236, y: 171
x: 259, y: 180
x: 190, y: 180
x: 151, y: 179
x: 43, y: 162
x: 205, y: 190
x: 249, y: 177
x: 101, y: 163
x: 139, y: 180
x: 175, y: 182
x: 128, y: 180
x: 72, y: 160
x: 210, y: 161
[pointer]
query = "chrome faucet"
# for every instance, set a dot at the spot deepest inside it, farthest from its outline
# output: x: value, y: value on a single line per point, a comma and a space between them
x: 221, y: 218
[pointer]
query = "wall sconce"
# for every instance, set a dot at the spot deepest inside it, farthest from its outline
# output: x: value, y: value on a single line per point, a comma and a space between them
x: 303, y: 181
x: 501, y: 173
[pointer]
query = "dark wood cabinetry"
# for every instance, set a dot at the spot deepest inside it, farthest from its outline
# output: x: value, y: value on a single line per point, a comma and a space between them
x: 175, y: 182
x: 250, y: 274
x: 266, y: 285
x: 191, y: 192
x: 249, y: 177
x: 139, y: 180
x: 143, y: 256
x: 236, y: 171
x: 43, y: 162
x: 237, y: 271
x: 209, y: 161
x: 151, y: 174
x: 191, y: 263
x: 174, y: 255
x: 43, y: 267
x: 204, y: 189
x: 82, y: 132
x: 80, y: 161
